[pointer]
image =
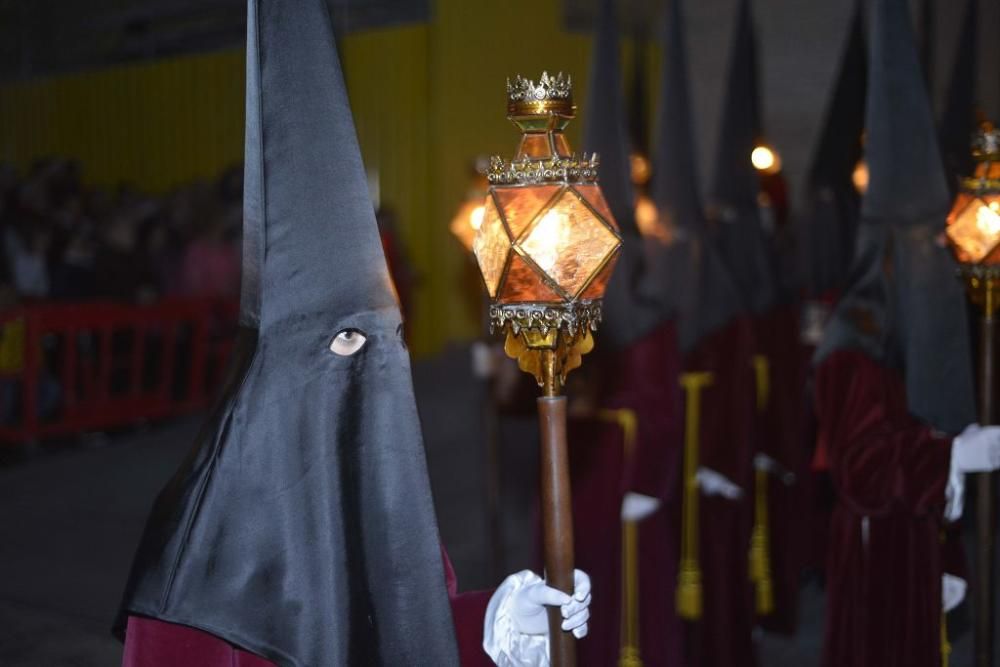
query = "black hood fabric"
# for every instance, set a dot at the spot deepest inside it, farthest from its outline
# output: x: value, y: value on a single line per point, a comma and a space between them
x: 735, y: 184
x: 832, y: 203
x: 685, y: 270
x: 301, y: 526
x: 958, y: 121
x: 904, y: 306
x: 629, y: 314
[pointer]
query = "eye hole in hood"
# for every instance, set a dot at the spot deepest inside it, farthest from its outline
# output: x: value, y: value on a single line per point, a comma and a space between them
x: 348, y: 342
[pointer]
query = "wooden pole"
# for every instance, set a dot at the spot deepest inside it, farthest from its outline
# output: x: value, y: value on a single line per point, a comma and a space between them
x: 985, y: 506
x: 557, y: 520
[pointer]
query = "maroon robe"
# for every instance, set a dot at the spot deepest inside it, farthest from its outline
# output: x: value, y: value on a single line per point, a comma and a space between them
x: 153, y: 643
x: 780, y: 438
x: 886, y: 553
x: 723, y: 635
x: 605, y: 465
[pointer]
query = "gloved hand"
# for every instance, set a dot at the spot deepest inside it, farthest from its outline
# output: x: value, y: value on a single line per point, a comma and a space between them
x: 953, y: 591
x: 977, y: 449
x: 713, y: 483
x: 637, y: 506
x: 516, y: 627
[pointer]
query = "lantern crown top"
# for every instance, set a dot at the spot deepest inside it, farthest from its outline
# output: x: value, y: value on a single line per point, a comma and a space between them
x: 552, y: 94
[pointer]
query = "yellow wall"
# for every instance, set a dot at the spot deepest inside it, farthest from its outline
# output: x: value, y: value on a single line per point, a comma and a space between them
x: 426, y: 99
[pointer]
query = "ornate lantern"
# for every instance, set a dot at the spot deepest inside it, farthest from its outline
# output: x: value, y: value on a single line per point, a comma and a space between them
x: 548, y: 242
x: 974, y: 221
x: 546, y: 248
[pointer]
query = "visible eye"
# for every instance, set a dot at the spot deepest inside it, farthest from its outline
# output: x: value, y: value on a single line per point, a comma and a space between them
x: 347, y: 342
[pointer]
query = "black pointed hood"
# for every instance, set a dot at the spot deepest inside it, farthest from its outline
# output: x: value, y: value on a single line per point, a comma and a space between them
x: 958, y: 120
x: 638, y: 98
x: 832, y: 202
x: 686, y: 268
x: 629, y: 314
x: 735, y: 183
x: 914, y: 315
x: 306, y: 195
x: 301, y: 526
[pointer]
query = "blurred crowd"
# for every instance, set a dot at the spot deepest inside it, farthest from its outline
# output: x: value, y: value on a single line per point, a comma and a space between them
x: 61, y: 240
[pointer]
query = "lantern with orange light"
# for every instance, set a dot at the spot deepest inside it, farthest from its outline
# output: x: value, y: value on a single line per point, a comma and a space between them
x: 974, y: 221
x: 546, y: 249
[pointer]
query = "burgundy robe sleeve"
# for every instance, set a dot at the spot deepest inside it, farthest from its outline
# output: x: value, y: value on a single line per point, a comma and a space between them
x: 468, y: 611
x: 882, y: 459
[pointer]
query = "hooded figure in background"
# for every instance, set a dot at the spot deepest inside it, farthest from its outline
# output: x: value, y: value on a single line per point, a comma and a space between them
x: 893, y: 383
x: 832, y: 200
x: 827, y: 230
x: 761, y: 265
x: 734, y: 204
x: 709, y: 513
x: 624, y: 446
x: 300, y: 531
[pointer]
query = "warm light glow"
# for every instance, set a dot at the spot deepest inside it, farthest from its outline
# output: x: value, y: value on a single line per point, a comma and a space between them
x: 467, y: 221
x: 974, y: 228
x: 647, y: 218
x: 476, y: 217
x: 765, y: 159
x: 860, y: 176
x: 987, y: 219
x: 547, y: 238
x: 640, y: 169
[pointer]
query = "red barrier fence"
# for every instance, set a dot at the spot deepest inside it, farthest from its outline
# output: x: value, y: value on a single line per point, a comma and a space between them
x: 72, y: 368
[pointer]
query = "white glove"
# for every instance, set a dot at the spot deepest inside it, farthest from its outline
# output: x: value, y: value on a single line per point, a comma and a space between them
x: 977, y: 449
x: 717, y: 484
x: 952, y: 591
x: 636, y: 506
x: 516, y: 627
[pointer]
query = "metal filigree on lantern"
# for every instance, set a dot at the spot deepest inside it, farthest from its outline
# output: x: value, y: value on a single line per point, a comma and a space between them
x: 548, y: 242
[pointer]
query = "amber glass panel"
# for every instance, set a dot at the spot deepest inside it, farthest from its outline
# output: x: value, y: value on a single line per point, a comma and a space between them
x: 520, y: 205
x: 569, y: 242
x: 988, y: 170
x: 595, y: 290
x: 537, y: 145
x: 974, y: 229
x: 491, y: 246
x: 595, y: 198
x: 523, y: 283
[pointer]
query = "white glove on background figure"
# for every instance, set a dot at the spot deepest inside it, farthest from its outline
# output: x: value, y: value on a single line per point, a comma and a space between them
x: 637, y: 506
x: 952, y: 591
x: 976, y: 449
x: 712, y: 483
x: 516, y: 626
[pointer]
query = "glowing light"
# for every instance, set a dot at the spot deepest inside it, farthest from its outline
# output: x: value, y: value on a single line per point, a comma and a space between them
x: 987, y: 219
x: 547, y: 239
x: 647, y: 218
x: 764, y: 159
x: 640, y: 169
x: 476, y: 217
x: 859, y: 177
